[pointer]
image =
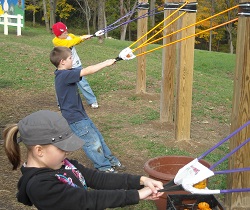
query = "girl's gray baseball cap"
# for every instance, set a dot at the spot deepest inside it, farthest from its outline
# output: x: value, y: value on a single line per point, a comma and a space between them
x: 48, y: 127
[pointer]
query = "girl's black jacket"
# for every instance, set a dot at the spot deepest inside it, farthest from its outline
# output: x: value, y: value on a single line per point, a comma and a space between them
x: 41, y: 187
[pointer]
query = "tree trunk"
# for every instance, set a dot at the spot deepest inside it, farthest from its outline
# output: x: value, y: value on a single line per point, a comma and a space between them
x: 101, y: 9
x: 123, y: 29
x: 88, y: 15
x: 46, y: 16
x: 86, y: 10
x: 95, y: 16
x: 211, y: 24
x: 52, y: 4
x: 230, y: 40
x: 34, y: 13
x: 123, y: 12
x: 34, y: 18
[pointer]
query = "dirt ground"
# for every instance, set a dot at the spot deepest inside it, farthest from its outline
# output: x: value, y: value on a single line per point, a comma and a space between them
x: 16, y: 104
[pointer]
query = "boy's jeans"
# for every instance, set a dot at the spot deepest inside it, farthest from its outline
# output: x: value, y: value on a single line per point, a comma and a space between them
x: 95, y: 146
x: 86, y: 90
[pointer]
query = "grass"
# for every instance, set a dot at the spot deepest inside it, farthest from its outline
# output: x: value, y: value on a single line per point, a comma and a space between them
x: 212, y: 86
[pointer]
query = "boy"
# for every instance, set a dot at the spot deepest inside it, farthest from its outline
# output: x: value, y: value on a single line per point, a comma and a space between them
x: 65, y: 39
x: 73, y: 111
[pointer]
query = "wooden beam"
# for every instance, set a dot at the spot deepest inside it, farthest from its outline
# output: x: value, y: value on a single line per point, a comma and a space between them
x: 240, y: 115
x: 184, y: 79
x: 168, y: 68
x: 142, y: 28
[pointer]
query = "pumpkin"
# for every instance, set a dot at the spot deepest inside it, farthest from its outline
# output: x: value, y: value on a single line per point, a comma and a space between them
x: 201, y: 184
x: 203, y: 206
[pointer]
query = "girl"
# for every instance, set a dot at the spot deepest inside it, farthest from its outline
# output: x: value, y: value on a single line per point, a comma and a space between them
x: 50, y: 181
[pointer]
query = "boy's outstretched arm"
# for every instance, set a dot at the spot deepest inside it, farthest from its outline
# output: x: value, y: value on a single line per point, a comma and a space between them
x: 95, y: 68
x: 75, y: 40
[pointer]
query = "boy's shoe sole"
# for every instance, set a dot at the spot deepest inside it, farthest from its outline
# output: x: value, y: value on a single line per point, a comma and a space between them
x: 119, y: 167
x: 110, y: 170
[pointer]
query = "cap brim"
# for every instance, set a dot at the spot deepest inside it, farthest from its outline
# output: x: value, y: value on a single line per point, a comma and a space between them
x: 70, y: 144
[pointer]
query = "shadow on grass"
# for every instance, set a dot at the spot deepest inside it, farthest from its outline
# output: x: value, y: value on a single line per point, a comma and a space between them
x: 6, y: 83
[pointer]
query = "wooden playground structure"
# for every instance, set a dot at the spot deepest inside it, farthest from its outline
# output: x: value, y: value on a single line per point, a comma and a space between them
x: 179, y: 59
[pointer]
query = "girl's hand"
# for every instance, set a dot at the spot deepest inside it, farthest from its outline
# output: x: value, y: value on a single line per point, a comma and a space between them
x: 151, y: 183
x: 147, y: 194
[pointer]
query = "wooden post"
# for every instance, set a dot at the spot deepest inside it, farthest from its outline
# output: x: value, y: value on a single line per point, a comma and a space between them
x: 240, y: 115
x: 168, y: 69
x: 184, y: 79
x: 142, y: 28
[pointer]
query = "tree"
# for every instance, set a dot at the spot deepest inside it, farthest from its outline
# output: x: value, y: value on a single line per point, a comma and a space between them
x: 101, y: 17
x: 211, y: 23
x: 230, y: 27
x: 52, y: 4
x: 52, y: 8
x: 33, y: 6
x: 45, y: 16
x: 84, y: 5
x: 63, y: 9
x: 207, y: 9
x: 125, y: 9
x: 93, y: 6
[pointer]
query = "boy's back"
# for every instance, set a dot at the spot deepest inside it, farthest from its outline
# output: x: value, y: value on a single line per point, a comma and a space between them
x: 68, y: 96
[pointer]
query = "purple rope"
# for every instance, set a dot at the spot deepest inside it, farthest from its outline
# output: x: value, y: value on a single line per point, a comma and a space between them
x: 130, y: 12
x: 232, y: 171
x: 235, y: 190
x: 223, y: 140
x: 111, y: 27
x: 107, y: 29
x: 230, y: 153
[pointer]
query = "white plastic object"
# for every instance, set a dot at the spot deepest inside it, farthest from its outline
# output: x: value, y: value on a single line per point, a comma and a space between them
x: 127, y: 54
x: 99, y: 33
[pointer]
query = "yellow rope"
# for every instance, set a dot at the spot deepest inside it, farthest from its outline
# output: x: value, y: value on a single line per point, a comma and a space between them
x: 179, y: 40
x: 158, y: 25
x: 186, y: 27
x: 145, y: 43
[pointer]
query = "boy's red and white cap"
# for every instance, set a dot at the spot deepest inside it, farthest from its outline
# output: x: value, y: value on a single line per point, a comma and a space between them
x: 58, y: 28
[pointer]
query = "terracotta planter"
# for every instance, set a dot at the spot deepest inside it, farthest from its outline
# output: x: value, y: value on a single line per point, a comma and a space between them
x: 164, y: 169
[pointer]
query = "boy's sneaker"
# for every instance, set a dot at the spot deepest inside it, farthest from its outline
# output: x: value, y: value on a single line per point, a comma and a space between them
x: 110, y: 170
x: 94, y: 105
x: 119, y: 167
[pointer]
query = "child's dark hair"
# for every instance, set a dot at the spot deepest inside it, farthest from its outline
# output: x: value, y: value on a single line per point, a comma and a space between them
x: 58, y: 54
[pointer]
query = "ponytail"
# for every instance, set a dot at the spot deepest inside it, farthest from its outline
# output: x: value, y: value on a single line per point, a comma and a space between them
x: 11, y: 145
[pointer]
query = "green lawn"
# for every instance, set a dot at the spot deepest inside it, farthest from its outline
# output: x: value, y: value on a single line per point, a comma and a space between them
x: 25, y: 66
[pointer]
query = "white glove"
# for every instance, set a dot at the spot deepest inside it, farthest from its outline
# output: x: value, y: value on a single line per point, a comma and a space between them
x: 99, y: 33
x: 192, y: 173
x: 127, y: 54
x: 189, y: 187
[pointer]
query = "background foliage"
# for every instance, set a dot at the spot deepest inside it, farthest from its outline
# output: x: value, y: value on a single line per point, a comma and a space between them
x: 83, y: 15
